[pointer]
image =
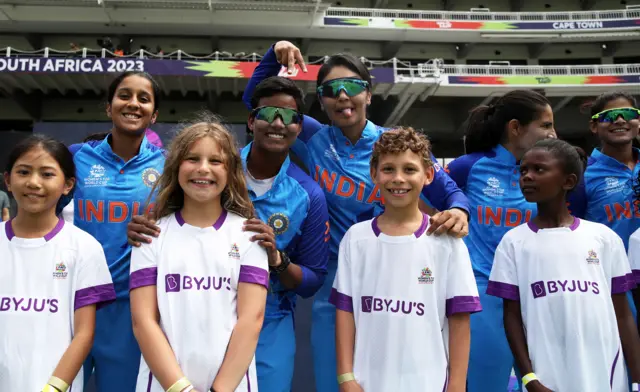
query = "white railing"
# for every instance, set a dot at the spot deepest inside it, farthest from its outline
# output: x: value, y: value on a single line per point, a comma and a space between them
x: 480, y: 16
x: 256, y: 5
x: 435, y: 68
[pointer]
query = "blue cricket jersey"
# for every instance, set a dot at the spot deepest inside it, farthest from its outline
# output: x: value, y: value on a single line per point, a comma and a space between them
x: 108, y: 193
x: 341, y: 168
x: 606, y: 195
x: 296, y: 210
x: 491, y: 182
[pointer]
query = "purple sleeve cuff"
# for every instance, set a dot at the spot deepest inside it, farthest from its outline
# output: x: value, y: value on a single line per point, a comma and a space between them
x: 463, y: 304
x: 251, y: 274
x: 636, y: 276
x: 341, y: 301
x: 100, y: 295
x: 143, y: 277
x: 622, y: 284
x: 503, y: 290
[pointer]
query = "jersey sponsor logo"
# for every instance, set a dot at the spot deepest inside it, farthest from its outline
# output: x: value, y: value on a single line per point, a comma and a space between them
x: 426, y: 276
x: 234, y: 253
x: 613, y: 185
x: 174, y: 283
x: 622, y: 211
x: 543, y: 288
x: 109, y: 211
x: 503, y: 217
x: 60, y: 271
x: 17, y: 304
x: 493, y: 188
x: 592, y: 258
x: 332, y: 153
x: 150, y: 177
x: 278, y: 222
x: 97, y: 177
x: 344, y: 186
x: 374, y: 305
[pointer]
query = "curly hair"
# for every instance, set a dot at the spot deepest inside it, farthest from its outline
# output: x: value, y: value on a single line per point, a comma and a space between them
x: 234, y: 198
x: 399, y: 140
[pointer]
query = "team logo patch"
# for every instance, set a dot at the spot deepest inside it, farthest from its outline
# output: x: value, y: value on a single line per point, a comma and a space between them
x: 278, y: 222
x: 234, y: 253
x: 493, y: 187
x: 592, y: 258
x: 150, y: 177
x: 60, y: 271
x: 97, y: 177
x: 426, y: 276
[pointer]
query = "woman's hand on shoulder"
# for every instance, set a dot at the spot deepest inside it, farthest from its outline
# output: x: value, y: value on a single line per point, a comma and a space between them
x: 454, y: 222
x: 140, y: 230
x: 288, y: 54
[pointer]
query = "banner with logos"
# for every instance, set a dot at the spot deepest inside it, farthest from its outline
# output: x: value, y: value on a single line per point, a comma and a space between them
x: 555, y: 80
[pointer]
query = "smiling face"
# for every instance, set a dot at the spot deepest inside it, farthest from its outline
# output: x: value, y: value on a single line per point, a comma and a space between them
x: 132, y: 108
x: 275, y: 137
x: 619, y: 132
x: 203, y: 173
x: 37, y: 182
x: 401, y: 177
x: 542, y: 177
x: 345, y: 111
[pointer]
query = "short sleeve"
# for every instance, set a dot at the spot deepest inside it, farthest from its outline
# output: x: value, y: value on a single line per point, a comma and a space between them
x: 503, y: 280
x: 341, y: 294
x: 634, y: 256
x: 616, y: 265
x: 254, y: 265
x: 93, y: 284
x: 462, y: 290
x: 144, y: 266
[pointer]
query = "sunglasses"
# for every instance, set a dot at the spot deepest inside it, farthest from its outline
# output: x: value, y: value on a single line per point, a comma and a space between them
x: 270, y: 113
x: 350, y: 86
x: 611, y: 115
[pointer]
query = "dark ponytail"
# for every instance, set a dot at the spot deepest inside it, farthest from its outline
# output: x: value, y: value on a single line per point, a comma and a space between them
x: 486, y: 124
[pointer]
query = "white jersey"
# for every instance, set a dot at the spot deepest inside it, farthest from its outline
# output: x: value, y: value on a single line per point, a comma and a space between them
x: 634, y: 255
x: 564, y: 278
x: 68, y: 211
x: 401, y: 290
x: 196, y: 272
x: 43, y: 281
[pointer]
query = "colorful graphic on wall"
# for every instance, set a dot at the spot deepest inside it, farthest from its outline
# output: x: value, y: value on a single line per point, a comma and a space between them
x: 556, y: 80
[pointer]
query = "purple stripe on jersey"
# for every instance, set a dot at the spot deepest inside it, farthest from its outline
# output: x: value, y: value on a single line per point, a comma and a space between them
x: 621, y: 284
x: 446, y: 381
x: 101, y: 295
x: 150, y: 380
x: 216, y: 225
x: 248, y: 382
x: 374, y: 226
x: 143, y: 277
x: 8, y: 229
x: 503, y: 290
x: 423, y: 226
x: 463, y: 304
x: 341, y: 301
x: 251, y: 274
x: 613, y: 368
x: 574, y: 225
x: 636, y: 276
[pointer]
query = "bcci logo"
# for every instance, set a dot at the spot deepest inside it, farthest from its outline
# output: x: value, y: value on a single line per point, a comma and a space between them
x: 150, y: 177
x: 426, y: 276
x: 592, y: 258
x: 60, y: 271
x: 234, y: 253
x: 278, y: 222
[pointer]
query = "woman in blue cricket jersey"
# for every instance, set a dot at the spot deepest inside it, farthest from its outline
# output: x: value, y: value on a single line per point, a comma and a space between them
x: 114, y: 178
x: 338, y: 157
x: 496, y: 138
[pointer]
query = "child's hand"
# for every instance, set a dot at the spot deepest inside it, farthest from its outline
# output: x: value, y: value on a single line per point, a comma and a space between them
x: 266, y: 238
x: 536, y: 386
x: 351, y: 386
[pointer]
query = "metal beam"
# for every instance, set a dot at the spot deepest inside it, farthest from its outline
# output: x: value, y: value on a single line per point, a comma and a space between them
x: 34, y: 82
x: 215, y: 44
x: 163, y: 86
x: 183, y: 89
x: 535, y: 50
x: 561, y: 104
x: 55, y: 85
x: 609, y: 49
x: 73, y: 84
x: 30, y: 103
x: 379, y: 3
x: 516, y: 5
x: 90, y: 84
x: 429, y: 92
x: 213, y: 103
x: 447, y: 5
x: 200, y: 89
x: 35, y: 40
x: 390, y: 49
x: 17, y: 85
x: 235, y: 87
x: 587, y: 4
x: 464, y: 49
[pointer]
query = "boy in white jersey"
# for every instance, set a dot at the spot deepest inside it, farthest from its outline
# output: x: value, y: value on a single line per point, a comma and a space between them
x: 564, y: 283
x: 53, y: 276
x: 403, y: 298
x: 198, y: 292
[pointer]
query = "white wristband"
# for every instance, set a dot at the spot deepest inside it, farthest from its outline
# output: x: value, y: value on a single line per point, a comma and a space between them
x: 635, y: 387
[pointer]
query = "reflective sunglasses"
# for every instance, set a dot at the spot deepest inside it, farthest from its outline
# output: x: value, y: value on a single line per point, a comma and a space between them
x: 351, y: 87
x: 269, y: 114
x: 611, y: 115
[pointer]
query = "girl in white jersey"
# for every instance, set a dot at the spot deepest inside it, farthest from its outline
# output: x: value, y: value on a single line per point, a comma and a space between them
x: 198, y: 292
x: 564, y: 282
x: 54, y: 275
x: 403, y: 298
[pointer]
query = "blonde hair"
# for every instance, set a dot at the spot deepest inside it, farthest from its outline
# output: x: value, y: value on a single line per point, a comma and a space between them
x: 235, y: 196
x: 399, y: 140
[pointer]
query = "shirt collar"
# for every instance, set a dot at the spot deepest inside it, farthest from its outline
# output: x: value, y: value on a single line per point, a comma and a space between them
x: 244, y: 155
x: 370, y: 131
x: 600, y: 157
x: 504, y: 155
x: 105, y: 147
